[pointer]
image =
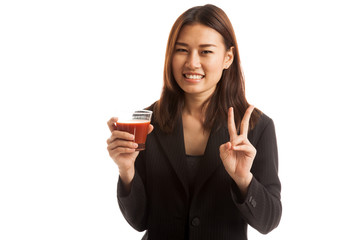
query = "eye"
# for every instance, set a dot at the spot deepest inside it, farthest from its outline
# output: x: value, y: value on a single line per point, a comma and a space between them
x: 181, y: 50
x: 206, y: 52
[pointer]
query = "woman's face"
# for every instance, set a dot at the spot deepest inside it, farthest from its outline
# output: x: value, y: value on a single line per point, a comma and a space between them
x: 199, y: 59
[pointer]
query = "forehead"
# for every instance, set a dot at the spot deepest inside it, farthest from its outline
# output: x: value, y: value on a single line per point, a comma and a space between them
x: 199, y: 34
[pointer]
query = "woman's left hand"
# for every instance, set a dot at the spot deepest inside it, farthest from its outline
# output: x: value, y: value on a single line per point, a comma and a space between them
x: 238, y: 154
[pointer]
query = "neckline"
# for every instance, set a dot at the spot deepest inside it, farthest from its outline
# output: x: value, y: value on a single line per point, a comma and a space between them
x: 194, y: 156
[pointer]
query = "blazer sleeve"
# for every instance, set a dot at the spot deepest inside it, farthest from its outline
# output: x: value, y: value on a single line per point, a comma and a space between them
x: 261, y: 207
x: 133, y: 204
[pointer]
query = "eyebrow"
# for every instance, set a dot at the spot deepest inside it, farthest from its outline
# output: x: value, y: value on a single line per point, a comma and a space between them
x: 201, y: 45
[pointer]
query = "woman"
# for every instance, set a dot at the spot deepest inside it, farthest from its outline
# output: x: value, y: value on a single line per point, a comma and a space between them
x: 210, y: 164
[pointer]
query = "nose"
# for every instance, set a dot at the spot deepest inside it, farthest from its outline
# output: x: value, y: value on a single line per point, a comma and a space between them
x: 193, y: 61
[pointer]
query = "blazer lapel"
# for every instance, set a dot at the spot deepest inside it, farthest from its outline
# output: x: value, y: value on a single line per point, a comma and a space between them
x: 174, y: 148
x: 211, y: 160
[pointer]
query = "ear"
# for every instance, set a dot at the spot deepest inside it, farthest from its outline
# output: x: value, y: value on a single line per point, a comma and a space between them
x: 229, y: 58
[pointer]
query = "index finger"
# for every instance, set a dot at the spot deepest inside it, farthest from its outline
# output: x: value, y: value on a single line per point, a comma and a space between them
x: 111, y: 123
x: 231, y: 124
x: 244, y: 127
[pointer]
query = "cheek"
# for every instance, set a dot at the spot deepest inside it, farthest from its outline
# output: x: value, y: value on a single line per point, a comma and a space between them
x: 176, y: 68
x: 176, y: 65
x: 215, y: 67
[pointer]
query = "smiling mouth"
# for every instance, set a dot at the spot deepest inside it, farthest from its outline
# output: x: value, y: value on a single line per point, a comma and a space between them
x: 194, y: 76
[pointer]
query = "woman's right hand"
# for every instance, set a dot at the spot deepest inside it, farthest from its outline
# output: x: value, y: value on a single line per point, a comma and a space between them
x: 122, y: 149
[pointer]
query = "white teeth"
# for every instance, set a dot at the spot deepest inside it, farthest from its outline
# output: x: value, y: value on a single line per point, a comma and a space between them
x: 193, y: 76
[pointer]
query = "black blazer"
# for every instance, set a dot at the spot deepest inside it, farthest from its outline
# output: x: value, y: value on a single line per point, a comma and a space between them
x: 160, y: 201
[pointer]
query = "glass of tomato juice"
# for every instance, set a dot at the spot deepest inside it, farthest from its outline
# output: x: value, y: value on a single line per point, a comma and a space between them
x: 136, y: 123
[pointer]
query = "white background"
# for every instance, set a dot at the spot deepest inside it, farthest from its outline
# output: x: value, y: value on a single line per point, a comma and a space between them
x: 67, y: 66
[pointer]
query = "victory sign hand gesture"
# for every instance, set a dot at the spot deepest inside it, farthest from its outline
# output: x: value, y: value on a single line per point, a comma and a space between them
x: 238, y: 154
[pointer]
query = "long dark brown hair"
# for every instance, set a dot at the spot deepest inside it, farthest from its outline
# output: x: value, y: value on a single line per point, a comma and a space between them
x: 230, y: 90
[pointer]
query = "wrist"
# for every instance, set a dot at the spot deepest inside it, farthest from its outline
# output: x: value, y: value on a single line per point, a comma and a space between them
x: 244, y: 183
x: 127, y: 175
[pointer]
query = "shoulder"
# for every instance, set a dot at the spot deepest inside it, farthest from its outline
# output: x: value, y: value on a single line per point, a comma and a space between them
x: 152, y: 106
x: 263, y: 121
x: 264, y: 126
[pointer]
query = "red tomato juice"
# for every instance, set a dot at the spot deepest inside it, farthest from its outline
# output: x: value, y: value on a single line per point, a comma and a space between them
x: 139, y: 128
